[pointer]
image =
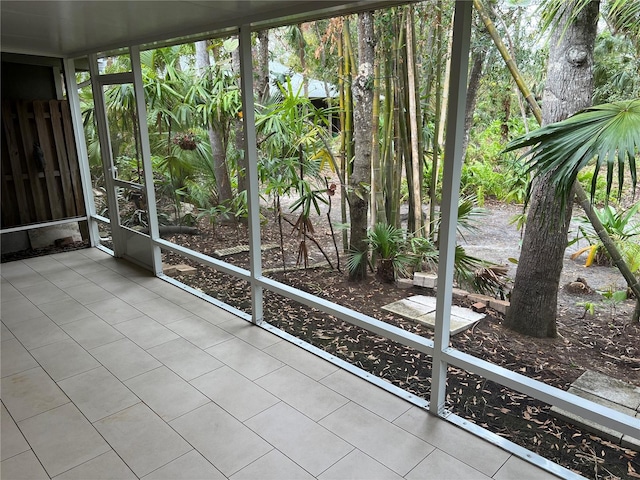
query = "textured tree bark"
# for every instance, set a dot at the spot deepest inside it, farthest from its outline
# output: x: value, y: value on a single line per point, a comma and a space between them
x: 477, y: 60
x: 262, y: 79
x: 568, y: 88
x: 219, y: 154
x: 360, y: 179
x: 414, y: 102
x: 217, y: 140
x: 378, y: 212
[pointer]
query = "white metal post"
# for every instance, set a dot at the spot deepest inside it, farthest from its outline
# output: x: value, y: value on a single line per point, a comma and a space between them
x: 105, y: 152
x: 251, y: 154
x: 81, y: 149
x: 143, y: 130
x: 450, y: 192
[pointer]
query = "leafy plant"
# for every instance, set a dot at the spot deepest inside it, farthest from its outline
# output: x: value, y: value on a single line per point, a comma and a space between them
x: 607, y: 132
x: 468, y: 214
x: 303, y: 225
x: 502, y: 181
x: 214, y: 213
x: 395, y: 251
x: 589, y: 307
x: 585, y: 177
x: 613, y: 298
x: 621, y: 226
x: 388, y: 245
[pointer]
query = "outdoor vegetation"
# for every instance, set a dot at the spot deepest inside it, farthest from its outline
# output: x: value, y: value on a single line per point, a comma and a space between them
x: 350, y: 154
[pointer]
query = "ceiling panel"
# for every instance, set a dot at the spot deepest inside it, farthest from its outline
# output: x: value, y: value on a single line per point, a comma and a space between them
x: 72, y: 27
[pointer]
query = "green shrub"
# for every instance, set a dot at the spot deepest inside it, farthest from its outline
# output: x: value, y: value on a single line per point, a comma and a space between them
x: 585, y: 177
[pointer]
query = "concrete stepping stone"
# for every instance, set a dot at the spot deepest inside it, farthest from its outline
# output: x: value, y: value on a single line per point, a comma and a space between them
x: 610, y: 392
x: 422, y: 308
x: 610, y: 388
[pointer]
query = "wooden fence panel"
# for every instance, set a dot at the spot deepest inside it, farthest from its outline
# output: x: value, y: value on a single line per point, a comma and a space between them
x: 27, y: 129
x: 12, y: 176
x: 72, y: 158
x: 43, y: 140
x: 41, y: 175
x: 61, y: 153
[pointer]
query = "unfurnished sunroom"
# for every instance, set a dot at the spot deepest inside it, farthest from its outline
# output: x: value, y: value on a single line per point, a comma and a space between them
x: 112, y: 368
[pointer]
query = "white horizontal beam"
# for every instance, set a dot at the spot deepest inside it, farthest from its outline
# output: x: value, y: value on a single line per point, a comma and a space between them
x: 383, y: 329
x: 600, y: 414
x: 204, y: 259
x: 33, y: 226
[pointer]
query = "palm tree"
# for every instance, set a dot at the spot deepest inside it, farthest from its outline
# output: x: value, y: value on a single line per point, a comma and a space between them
x: 608, y: 133
x: 568, y: 89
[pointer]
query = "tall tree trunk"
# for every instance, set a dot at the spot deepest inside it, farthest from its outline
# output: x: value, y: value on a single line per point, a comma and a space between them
x: 387, y: 145
x: 349, y: 66
x: 346, y: 117
x: 436, y: 128
x: 568, y: 88
x: 262, y: 77
x: 378, y: 213
x: 362, y: 116
x: 506, y: 110
x: 414, y: 116
x: 477, y: 60
x: 216, y: 138
x: 581, y: 195
x: 238, y: 126
x: 219, y: 154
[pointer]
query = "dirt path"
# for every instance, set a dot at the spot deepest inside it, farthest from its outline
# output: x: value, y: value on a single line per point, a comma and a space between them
x: 497, y: 240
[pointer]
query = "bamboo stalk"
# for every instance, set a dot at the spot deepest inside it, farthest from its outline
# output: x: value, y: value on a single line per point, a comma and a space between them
x: 416, y: 164
x: 436, y: 144
x: 378, y: 214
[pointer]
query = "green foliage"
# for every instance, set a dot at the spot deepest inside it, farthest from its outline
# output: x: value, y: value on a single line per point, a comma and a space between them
x: 396, y: 251
x: 519, y: 220
x: 616, y: 67
x: 308, y: 198
x: 608, y: 132
x: 599, y: 196
x: 240, y: 205
x: 482, y: 178
x: 214, y: 214
x: 589, y: 307
x: 388, y: 244
x: 622, y: 15
x: 613, y: 298
x: 620, y: 225
x: 290, y: 125
x: 468, y: 215
x: 631, y: 254
x: 488, y: 174
x: 624, y: 229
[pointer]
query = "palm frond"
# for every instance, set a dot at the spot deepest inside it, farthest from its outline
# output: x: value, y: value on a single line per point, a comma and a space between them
x: 624, y: 16
x: 608, y: 133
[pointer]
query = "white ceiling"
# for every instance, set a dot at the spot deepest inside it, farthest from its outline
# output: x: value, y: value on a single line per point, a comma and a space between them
x: 62, y: 28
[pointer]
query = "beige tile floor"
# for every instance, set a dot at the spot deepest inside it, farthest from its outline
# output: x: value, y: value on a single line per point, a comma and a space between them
x: 108, y: 372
